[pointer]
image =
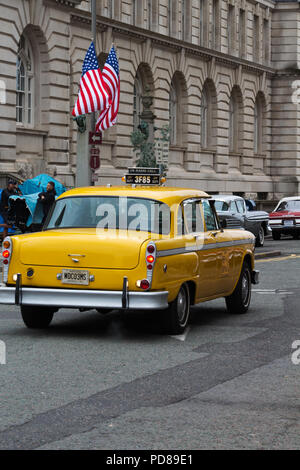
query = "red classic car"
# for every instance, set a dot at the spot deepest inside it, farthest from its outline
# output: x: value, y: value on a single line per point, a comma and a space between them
x: 285, y: 218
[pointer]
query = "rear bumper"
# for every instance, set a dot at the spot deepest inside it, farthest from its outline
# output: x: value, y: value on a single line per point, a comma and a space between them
x: 78, y: 298
x: 286, y: 228
x: 254, y: 277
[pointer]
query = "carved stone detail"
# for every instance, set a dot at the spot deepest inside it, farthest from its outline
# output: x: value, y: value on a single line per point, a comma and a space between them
x: 24, y: 170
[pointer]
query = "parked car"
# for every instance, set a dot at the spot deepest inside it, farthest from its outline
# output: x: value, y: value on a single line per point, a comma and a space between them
x: 285, y: 218
x: 129, y: 247
x: 236, y: 212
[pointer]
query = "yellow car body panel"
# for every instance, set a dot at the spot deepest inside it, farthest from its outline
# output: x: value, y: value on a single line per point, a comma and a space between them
x: 209, y: 262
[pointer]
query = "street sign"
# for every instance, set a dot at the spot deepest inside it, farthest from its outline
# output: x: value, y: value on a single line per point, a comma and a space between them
x: 94, y: 177
x: 95, y: 162
x: 95, y: 151
x: 95, y: 138
x: 162, y: 151
x: 94, y: 158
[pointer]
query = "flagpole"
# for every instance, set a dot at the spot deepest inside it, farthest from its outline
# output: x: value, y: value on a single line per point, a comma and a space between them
x: 94, y: 39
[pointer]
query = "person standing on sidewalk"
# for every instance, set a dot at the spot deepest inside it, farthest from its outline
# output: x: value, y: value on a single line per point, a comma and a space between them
x: 4, y: 205
x: 47, y: 197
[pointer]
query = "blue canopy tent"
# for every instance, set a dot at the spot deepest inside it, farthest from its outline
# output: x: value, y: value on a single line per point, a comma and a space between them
x: 32, y: 207
x: 39, y: 184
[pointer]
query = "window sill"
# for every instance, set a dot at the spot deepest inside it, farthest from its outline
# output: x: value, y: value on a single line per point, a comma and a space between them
x: 210, y: 151
x: 108, y: 142
x: 26, y: 130
x: 236, y: 154
x: 177, y: 147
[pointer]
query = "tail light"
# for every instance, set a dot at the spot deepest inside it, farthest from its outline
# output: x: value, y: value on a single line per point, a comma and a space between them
x: 150, y: 261
x: 145, y: 284
x: 6, y: 257
x: 151, y: 248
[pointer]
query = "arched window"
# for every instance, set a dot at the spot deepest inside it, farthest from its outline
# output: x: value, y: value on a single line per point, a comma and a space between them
x: 235, y: 116
x: 178, y: 107
x: 137, y: 101
x: 173, y: 114
x: 204, y: 120
x: 258, y: 125
x: 25, y: 82
x: 236, y: 120
x: 208, y: 115
x: 232, y: 125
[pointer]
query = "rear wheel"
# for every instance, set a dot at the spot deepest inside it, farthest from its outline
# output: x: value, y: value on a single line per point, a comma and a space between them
x: 176, y: 317
x: 260, y: 237
x: 36, y: 317
x: 238, y: 302
x: 276, y: 235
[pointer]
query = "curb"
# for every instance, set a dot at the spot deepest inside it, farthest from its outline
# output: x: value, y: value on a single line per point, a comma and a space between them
x: 267, y: 254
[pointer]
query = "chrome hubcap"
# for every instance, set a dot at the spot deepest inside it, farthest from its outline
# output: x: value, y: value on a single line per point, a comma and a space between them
x: 261, y: 235
x: 245, y: 288
x: 181, y: 305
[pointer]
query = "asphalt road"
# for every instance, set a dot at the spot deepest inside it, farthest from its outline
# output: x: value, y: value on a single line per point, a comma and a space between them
x: 115, y: 382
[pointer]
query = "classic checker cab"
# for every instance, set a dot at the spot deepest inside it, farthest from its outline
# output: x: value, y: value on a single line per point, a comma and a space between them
x: 128, y: 247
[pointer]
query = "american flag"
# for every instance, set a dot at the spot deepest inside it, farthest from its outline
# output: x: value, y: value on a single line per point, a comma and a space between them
x: 110, y: 75
x: 93, y: 94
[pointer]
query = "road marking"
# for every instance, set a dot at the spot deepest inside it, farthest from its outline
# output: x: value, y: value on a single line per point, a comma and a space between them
x: 282, y: 258
x: 183, y: 336
x: 272, y: 291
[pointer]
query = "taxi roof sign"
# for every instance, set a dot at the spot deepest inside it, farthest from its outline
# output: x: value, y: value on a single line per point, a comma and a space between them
x: 143, y: 176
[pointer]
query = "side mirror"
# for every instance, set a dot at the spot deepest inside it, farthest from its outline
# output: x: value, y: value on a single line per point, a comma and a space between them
x: 223, y: 223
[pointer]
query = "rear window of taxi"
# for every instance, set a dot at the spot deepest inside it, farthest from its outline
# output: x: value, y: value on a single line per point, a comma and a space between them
x: 110, y: 212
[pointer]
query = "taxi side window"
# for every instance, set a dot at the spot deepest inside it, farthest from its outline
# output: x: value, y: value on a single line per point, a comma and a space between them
x: 240, y: 206
x: 233, y: 207
x: 180, y: 222
x: 193, y: 217
x: 209, y: 216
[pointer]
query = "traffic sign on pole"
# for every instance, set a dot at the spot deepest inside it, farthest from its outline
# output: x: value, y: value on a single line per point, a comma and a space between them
x: 95, y: 151
x: 95, y: 161
x: 95, y: 138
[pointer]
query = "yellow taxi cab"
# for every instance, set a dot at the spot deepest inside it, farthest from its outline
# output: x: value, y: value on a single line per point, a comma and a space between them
x: 129, y: 247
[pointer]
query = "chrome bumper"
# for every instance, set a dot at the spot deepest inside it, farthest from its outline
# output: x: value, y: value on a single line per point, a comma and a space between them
x: 79, y: 298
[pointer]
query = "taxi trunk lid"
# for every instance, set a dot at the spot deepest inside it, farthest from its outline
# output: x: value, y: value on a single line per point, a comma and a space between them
x: 83, y: 249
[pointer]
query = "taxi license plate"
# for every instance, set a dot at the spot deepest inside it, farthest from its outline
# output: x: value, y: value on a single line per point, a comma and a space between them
x: 289, y: 222
x: 73, y: 276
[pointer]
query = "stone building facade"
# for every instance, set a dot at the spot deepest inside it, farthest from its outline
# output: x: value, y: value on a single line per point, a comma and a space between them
x: 223, y: 74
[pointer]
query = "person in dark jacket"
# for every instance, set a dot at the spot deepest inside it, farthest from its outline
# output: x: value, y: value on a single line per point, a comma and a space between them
x: 4, y: 205
x: 47, y: 198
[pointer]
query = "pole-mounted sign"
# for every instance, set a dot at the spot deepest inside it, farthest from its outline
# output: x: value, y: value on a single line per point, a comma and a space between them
x: 95, y: 138
x: 95, y: 158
